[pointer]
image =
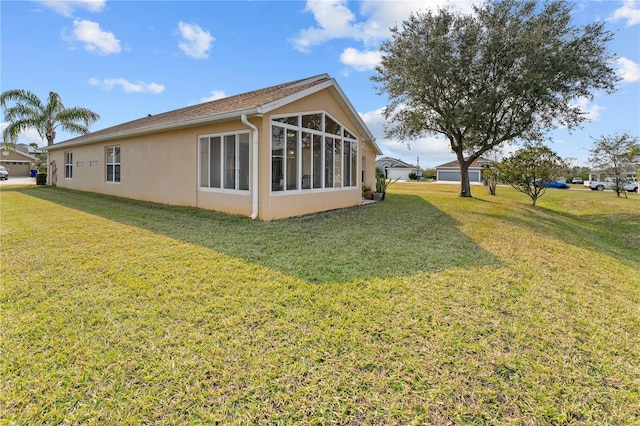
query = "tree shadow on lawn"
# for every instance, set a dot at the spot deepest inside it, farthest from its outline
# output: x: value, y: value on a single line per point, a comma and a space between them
x: 615, y: 235
x: 401, y: 236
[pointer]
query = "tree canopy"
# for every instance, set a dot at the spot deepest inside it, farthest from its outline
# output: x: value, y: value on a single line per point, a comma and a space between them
x: 613, y: 155
x: 29, y: 112
x: 529, y: 169
x: 513, y: 70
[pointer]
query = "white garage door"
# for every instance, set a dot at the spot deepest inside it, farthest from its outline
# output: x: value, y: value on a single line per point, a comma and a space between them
x: 398, y: 173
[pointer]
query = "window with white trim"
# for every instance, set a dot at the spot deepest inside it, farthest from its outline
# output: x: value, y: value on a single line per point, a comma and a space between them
x: 113, y: 163
x: 312, y: 151
x: 68, y: 164
x: 224, y: 161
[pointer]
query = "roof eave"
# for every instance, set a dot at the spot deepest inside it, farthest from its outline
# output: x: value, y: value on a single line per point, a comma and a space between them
x: 159, y: 128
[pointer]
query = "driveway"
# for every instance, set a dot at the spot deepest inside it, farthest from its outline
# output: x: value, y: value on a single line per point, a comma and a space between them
x: 18, y: 180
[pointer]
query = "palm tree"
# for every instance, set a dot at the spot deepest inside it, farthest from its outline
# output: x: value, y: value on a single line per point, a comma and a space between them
x: 30, y: 113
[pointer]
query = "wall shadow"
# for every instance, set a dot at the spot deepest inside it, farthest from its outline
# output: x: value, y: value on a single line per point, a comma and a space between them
x: 401, y: 236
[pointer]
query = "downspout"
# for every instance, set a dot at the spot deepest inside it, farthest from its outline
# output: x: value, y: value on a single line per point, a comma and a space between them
x: 254, y: 171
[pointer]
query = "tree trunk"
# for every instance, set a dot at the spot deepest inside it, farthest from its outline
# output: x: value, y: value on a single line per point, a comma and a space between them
x: 492, y: 183
x: 465, y: 187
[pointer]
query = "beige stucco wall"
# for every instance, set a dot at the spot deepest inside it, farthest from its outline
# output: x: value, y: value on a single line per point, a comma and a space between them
x: 163, y: 168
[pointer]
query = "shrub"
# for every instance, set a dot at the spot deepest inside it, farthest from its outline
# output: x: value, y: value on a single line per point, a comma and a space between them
x: 41, y: 178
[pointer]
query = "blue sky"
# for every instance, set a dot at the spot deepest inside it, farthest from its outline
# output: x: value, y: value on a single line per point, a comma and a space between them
x: 126, y: 59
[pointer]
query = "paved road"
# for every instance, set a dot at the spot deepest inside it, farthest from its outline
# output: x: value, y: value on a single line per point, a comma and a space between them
x: 18, y: 180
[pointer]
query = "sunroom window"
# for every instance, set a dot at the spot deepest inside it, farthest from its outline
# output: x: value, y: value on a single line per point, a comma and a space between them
x: 312, y: 152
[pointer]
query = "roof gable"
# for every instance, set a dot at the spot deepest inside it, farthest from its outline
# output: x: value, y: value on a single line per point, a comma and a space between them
x: 394, y: 163
x: 18, y: 153
x: 477, y: 163
x: 250, y: 103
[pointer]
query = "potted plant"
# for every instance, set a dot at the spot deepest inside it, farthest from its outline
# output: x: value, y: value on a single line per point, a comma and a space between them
x: 367, y: 193
x: 382, y: 184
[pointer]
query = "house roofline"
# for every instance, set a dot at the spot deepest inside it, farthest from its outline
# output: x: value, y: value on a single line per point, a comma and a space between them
x: 29, y: 156
x: 226, y: 116
x: 254, y: 111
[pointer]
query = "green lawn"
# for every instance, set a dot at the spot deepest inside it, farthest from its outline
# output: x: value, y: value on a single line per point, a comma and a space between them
x: 423, y: 309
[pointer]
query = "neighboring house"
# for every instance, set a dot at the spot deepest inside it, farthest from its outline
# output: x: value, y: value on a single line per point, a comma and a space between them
x: 286, y: 150
x: 450, y: 172
x: 28, y: 149
x: 394, y: 168
x: 18, y: 163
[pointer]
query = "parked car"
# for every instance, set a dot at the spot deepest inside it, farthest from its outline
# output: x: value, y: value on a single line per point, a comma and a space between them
x: 577, y: 180
x: 4, y: 173
x: 552, y: 184
x: 631, y: 185
x: 599, y: 185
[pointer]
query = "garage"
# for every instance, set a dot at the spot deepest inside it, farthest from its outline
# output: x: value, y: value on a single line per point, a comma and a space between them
x: 448, y: 175
x: 450, y: 172
x: 18, y: 163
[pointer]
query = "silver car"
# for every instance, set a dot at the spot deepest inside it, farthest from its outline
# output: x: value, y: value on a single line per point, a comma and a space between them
x: 4, y: 174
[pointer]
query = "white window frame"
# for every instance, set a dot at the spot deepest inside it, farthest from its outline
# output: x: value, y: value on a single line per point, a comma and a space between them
x: 300, y: 130
x: 206, y: 187
x: 68, y: 164
x: 113, y: 164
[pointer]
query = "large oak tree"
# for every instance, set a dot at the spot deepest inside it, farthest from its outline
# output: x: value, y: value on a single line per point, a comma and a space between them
x: 512, y: 70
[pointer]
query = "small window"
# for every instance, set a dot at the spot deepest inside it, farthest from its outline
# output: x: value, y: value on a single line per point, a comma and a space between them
x: 68, y: 165
x: 293, y: 120
x: 113, y: 163
x: 331, y: 126
x: 312, y: 121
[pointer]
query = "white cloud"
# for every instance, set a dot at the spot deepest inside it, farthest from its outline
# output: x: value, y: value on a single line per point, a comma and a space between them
x: 214, y: 96
x: 67, y: 7
x: 127, y: 86
x: 628, y: 70
x: 335, y: 20
x: 432, y: 150
x: 361, y: 61
x: 630, y: 11
x: 94, y: 38
x: 592, y: 110
x: 195, y: 42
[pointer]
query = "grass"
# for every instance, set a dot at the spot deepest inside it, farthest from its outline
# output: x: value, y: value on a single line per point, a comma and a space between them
x: 423, y: 309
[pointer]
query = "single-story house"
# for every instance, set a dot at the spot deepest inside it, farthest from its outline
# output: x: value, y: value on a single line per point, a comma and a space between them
x: 394, y: 168
x: 450, y: 172
x: 286, y: 150
x: 18, y: 163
